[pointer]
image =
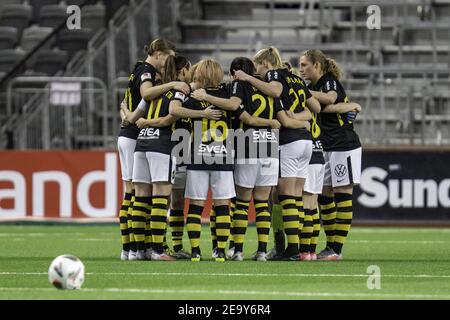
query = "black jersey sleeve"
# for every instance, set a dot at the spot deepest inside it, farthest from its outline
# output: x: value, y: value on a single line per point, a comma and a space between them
x: 237, y: 90
x: 273, y: 75
x: 180, y: 96
x: 146, y: 74
x: 277, y: 106
x: 329, y: 85
x: 239, y: 111
x: 307, y: 92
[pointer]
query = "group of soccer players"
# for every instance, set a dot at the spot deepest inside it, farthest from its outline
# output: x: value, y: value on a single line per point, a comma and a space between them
x: 291, y: 143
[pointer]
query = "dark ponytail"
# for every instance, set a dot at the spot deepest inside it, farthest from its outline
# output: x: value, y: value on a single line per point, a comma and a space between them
x: 244, y: 64
x: 173, y: 66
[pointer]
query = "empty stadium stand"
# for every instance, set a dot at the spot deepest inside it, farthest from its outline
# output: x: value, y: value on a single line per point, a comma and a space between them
x: 399, y: 73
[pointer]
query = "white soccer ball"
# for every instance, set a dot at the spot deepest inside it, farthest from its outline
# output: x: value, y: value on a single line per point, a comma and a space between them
x: 66, y: 272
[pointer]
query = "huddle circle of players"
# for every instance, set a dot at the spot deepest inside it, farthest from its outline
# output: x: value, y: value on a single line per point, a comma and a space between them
x: 264, y: 137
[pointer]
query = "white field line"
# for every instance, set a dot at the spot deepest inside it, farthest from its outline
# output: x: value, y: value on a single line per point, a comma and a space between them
x: 201, y: 274
x: 279, y: 294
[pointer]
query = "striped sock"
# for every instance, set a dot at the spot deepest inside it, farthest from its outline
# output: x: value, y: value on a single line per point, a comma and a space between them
x: 165, y: 245
x: 130, y: 223
x: 158, y: 224
x: 139, y: 219
x: 263, y: 220
x: 328, y: 217
x: 277, y: 226
x: 176, y: 223
x: 148, y: 228
x: 123, y: 216
x: 290, y: 222
x: 316, y: 230
x: 301, y: 213
x: 194, y: 227
x: 223, y: 222
x: 240, y: 224
x: 212, y: 225
x: 307, y: 231
x: 344, y: 218
x: 232, y: 210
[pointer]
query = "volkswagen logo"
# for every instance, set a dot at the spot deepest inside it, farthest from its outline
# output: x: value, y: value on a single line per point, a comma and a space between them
x: 340, y: 170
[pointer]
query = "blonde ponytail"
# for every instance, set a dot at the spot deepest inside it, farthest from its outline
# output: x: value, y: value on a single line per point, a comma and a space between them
x: 271, y: 55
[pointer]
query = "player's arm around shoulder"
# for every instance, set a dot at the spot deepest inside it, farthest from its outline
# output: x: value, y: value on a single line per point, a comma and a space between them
x: 342, y: 107
x: 273, y: 88
x: 292, y: 123
x: 176, y: 109
x: 326, y: 98
x: 227, y: 104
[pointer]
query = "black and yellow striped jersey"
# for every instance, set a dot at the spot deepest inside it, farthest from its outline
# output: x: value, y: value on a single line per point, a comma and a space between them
x: 257, y: 104
x: 293, y: 97
x: 142, y: 72
x: 158, y: 139
x: 336, y: 132
x: 209, y: 137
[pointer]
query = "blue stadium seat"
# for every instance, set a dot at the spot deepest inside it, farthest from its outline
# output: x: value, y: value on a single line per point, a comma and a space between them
x: 93, y: 16
x: 16, y: 15
x: 8, y: 37
x: 8, y: 2
x: 49, y: 61
x: 38, y: 4
x: 9, y: 58
x: 34, y: 35
x: 52, y: 15
x: 73, y: 40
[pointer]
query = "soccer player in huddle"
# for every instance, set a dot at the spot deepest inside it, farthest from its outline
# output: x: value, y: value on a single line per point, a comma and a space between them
x: 342, y: 149
x: 211, y: 164
x: 142, y: 84
x: 154, y: 165
x: 256, y: 167
x: 295, y: 140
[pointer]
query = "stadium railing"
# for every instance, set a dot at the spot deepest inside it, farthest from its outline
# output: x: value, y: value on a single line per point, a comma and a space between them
x: 72, y: 113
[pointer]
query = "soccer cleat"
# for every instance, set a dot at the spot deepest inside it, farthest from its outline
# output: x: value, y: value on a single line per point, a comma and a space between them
x: 304, y: 256
x: 273, y: 255
x: 140, y: 255
x: 161, y: 257
x: 214, y: 253
x: 237, y: 256
x: 313, y: 256
x: 325, y: 252
x: 331, y: 257
x: 124, y: 255
x: 290, y: 257
x: 260, y: 256
x: 339, y: 256
x: 220, y: 257
x: 148, y: 254
x: 132, y: 256
x: 181, y: 255
x: 195, y: 257
x: 230, y: 253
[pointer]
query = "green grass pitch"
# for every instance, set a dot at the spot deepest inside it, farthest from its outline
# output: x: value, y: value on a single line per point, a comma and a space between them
x: 414, y: 264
